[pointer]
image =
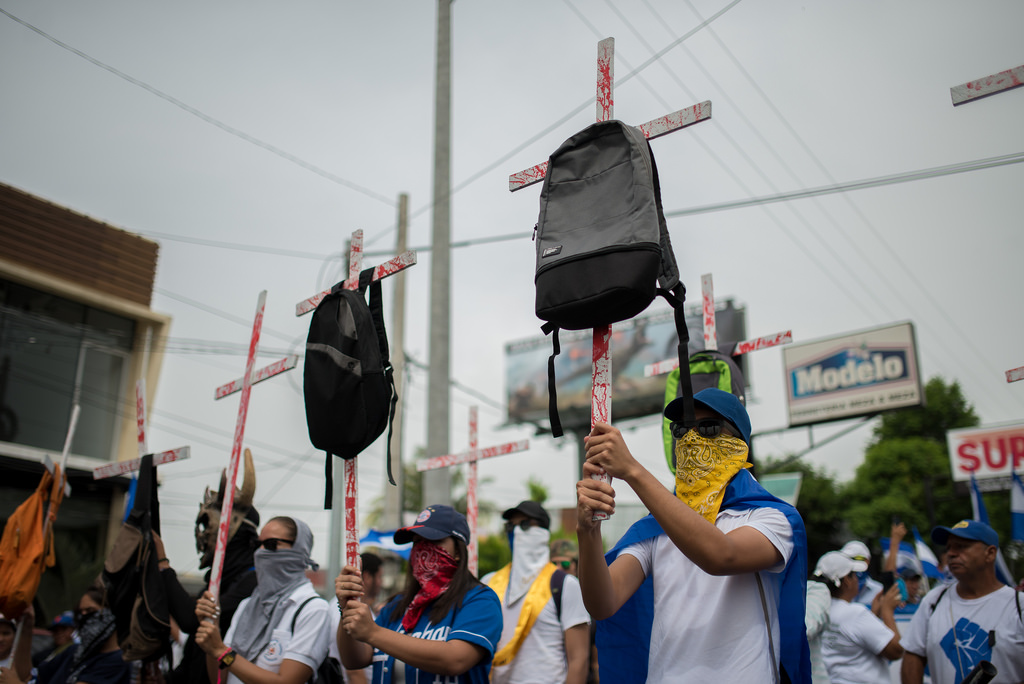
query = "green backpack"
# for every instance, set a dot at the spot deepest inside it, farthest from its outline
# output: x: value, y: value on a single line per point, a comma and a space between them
x: 709, y: 368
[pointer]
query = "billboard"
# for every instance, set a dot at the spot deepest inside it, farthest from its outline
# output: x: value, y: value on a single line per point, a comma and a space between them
x: 852, y: 375
x: 635, y: 344
x: 989, y: 451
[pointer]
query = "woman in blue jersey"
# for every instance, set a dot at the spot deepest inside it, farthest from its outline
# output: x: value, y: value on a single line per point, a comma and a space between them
x: 444, y: 623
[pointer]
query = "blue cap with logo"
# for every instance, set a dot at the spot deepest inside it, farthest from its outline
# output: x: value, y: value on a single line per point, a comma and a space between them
x: 435, y: 523
x: 723, y: 403
x: 967, y: 529
x: 65, y: 619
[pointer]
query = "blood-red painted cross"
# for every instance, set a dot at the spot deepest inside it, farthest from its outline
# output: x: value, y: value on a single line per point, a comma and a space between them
x: 472, y: 457
x: 711, y: 334
x: 355, y: 264
x: 125, y: 467
x: 601, y: 387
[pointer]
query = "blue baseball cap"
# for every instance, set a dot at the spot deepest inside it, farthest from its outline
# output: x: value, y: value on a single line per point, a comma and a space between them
x: 727, y: 405
x: 435, y: 523
x: 65, y: 619
x: 967, y: 529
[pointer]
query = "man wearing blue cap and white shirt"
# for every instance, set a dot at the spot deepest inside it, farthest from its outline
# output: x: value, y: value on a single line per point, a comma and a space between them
x: 711, y: 586
x: 974, y: 619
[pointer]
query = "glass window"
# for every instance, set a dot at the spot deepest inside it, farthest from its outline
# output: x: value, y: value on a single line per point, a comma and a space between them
x: 52, y: 350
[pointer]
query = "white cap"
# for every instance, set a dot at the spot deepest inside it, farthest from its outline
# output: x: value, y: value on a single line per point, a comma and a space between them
x: 835, y: 565
x: 858, y: 551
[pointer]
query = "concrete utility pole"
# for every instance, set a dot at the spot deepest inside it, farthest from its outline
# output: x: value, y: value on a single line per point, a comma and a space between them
x: 436, y: 485
x: 392, y: 517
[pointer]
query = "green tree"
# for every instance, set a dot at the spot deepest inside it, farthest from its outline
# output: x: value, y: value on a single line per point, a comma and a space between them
x: 819, y: 504
x: 905, y: 472
x: 538, y: 492
x: 492, y: 554
x: 945, y: 409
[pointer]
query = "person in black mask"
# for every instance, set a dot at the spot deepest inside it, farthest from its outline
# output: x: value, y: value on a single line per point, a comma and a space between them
x: 238, y: 579
x: 95, y: 659
x: 283, y: 628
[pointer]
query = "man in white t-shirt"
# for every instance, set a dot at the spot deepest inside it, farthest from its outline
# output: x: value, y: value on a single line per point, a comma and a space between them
x: 977, y: 618
x: 546, y: 634
x: 856, y: 645
x: 711, y: 586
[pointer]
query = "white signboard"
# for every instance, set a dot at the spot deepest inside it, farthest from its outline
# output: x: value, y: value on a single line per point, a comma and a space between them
x: 852, y: 375
x: 990, y: 451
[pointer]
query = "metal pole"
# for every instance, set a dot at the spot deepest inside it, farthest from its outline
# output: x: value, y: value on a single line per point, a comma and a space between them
x: 392, y: 516
x: 436, y: 485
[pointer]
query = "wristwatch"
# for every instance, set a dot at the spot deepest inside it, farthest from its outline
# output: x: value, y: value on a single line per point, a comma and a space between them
x: 227, y: 659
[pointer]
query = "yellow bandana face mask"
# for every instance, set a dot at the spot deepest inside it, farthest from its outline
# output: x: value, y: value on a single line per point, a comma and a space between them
x: 704, y: 467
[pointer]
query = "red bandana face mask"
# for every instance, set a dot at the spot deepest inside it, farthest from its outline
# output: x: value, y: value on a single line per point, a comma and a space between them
x: 433, y: 568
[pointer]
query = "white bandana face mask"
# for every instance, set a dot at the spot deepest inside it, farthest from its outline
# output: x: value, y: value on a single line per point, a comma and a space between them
x: 529, y: 556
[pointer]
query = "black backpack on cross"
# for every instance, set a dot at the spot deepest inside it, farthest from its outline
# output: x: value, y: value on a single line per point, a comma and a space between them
x: 347, y: 381
x: 603, y: 248
x: 132, y: 579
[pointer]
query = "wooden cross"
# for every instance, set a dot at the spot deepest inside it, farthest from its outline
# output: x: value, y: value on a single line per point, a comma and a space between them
x: 601, y: 387
x: 990, y: 85
x: 355, y: 262
x: 471, y: 457
x: 125, y: 467
x: 711, y: 333
x: 228, y: 504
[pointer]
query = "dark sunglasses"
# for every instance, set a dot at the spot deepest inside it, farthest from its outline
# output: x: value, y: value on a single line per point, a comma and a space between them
x: 271, y: 544
x: 705, y: 427
x: 524, y: 525
x: 564, y: 564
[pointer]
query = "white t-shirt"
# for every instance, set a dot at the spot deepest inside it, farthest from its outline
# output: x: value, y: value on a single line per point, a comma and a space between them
x: 851, y: 643
x: 708, y: 628
x: 958, y: 634
x: 308, y: 645
x: 541, y: 658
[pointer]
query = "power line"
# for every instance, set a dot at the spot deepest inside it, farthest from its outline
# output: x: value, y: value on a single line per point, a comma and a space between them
x: 905, y: 177
x: 288, y: 156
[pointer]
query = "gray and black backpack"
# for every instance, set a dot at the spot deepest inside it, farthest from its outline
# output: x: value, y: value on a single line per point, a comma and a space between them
x: 603, y: 248
x: 347, y: 382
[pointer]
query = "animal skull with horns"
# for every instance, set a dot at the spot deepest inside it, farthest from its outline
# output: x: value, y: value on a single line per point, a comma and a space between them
x: 208, y: 520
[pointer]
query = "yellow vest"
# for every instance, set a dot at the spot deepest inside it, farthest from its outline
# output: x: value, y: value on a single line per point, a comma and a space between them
x: 533, y: 603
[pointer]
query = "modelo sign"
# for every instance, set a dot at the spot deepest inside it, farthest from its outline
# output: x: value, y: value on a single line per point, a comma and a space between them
x: 992, y: 451
x: 856, y: 374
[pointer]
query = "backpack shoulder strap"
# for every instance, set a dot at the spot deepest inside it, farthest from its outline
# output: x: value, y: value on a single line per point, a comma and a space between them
x: 676, y: 297
x: 556, y: 423
x: 557, y: 580
x: 376, y: 306
x: 299, y: 610
x: 941, y: 594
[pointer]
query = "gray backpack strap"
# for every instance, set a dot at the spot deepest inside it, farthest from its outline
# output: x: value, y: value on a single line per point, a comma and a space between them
x: 768, y: 624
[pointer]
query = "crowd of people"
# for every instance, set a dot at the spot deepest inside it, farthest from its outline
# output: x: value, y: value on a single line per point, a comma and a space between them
x: 712, y: 585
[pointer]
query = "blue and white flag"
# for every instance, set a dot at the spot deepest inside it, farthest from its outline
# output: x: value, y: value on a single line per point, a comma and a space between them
x: 924, y: 554
x: 1017, y: 507
x: 981, y: 515
x: 906, y: 556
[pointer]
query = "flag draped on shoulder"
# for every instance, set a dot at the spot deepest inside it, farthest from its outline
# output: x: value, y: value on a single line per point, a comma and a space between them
x: 981, y: 515
x: 624, y: 639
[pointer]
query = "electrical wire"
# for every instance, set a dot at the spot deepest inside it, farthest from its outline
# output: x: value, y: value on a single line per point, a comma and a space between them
x: 231, y: 130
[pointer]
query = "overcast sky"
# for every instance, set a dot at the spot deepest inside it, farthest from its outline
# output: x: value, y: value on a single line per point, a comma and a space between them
x: 251, y: 138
